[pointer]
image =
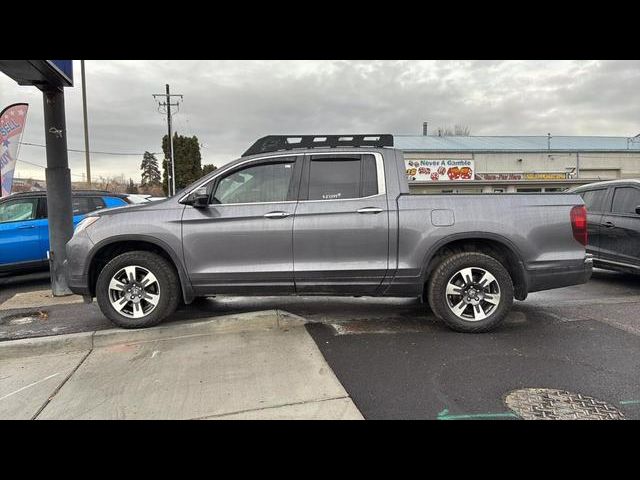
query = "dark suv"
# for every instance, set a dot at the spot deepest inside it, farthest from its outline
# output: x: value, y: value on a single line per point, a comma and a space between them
x: 613, y: 222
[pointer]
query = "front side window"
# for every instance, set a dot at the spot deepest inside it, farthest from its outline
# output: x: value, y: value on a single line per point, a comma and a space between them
x: 18, y: 210
x: 260, y: 183
x: 341, y: 178
x: 625, y: 200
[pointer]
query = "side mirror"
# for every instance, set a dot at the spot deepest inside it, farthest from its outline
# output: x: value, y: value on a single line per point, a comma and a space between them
x: 638, y: 209
x: 200, y: 198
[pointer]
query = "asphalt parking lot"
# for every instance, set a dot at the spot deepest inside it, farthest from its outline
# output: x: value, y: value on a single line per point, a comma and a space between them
x: 396, y: 360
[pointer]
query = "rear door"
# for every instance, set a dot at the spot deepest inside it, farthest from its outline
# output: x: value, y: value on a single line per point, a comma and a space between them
x: 19, y: 232
x: 620, y: 228
x: 341, y: 225
x: 594, y: 201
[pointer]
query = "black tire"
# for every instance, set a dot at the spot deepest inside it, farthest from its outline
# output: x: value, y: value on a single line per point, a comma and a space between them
x: 437, y: 285
x: 168, y: 282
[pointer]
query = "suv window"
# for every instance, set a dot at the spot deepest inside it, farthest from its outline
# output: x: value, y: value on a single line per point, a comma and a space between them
x: 259, y: 183
x: 79, y: 205
x: 18, y: 210
x: 82, y: 205
x: 625, y: 200
x: 333, y: 178
x: 594, y: 199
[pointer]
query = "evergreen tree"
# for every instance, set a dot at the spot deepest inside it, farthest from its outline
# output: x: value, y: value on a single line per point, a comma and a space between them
x: 208, y: 169
x: 188, y: 161
x: 150, y: 170
x: 131, y: 188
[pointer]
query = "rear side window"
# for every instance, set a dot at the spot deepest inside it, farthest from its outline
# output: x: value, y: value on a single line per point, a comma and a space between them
x: 594, y: 199
x: 83, y: 205
x: 79, y: 205
x: 625, y: 200
x: 338, y: 178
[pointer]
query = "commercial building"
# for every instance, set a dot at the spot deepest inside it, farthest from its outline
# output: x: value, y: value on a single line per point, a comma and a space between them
x: 474, y: 164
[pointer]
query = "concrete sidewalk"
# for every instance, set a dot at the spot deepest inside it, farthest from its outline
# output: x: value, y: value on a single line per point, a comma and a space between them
x: 261, y: 365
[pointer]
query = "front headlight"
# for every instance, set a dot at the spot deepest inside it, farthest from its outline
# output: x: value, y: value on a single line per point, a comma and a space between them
x: 84, y: 223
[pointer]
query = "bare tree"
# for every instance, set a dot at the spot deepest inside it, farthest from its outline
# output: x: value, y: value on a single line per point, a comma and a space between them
x: 456, y: 131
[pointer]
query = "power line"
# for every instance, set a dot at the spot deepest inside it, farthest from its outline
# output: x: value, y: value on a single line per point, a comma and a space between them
x: 42, y: 166
x: 84, y: 151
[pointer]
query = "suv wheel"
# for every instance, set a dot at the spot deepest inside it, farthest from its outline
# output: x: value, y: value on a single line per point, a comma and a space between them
x: 137, y: 289
x: 471, y: 292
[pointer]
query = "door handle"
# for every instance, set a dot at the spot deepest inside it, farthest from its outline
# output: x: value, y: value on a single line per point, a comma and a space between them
x: 276, y: 215
x: 370, y: 210
x: 607, y: 224
x: 23, y: 227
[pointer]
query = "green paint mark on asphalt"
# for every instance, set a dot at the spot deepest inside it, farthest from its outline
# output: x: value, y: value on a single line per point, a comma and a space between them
x: 444, y: 415
x: 630, y: 402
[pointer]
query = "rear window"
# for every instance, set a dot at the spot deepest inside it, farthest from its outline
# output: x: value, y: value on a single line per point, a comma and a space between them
x: 594, y: 199
x: 625, y: 200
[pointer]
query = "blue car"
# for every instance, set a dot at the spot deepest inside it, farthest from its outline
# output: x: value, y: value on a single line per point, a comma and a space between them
x: 24, y: 228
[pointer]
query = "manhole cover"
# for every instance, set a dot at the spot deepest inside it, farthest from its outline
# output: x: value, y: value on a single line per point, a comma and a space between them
x: 24, y: 318
x: 549, y: 404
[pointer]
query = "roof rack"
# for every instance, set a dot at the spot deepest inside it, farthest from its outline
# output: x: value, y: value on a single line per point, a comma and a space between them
x: 274, y: 143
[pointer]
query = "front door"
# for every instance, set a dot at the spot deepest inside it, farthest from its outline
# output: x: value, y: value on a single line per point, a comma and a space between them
x: 620, y: 228
x: 20, y: 233
x: 341, y: 227
x: 242, y: 242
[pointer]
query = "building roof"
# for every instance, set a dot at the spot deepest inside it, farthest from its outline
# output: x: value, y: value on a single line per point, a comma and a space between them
x: 421, y: 143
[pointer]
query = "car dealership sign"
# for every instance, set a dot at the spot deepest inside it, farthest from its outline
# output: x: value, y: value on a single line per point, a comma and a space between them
x: 439, y: 170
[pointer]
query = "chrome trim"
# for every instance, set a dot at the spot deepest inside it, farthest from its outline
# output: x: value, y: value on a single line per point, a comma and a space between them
x: 622, y: 264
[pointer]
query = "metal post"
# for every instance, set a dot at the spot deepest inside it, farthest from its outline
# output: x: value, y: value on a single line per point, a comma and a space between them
x: 172, y: 188
x: 58, y: 178
x: 577, y: 164
x: 86, y: 123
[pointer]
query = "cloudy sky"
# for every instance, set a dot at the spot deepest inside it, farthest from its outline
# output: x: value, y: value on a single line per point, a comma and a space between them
x: 229, y: 104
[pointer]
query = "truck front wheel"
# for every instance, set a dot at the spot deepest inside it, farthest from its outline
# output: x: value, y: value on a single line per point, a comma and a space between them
x: 137, y: 289
x: 470, y: 292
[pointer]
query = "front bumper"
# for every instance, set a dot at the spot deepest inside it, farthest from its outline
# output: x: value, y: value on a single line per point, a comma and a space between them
x: 559, y: 274
x: 76, y: 265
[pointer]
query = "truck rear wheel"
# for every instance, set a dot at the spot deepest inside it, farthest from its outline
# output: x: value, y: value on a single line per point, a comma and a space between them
x: 470, y: 292
x: 137, y: 289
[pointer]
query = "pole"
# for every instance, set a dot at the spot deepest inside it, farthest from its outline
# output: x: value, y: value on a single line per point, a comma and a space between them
x: 577, y: 164
x: 172, y: 186
x: 86, y: 123
x: 58, y: 178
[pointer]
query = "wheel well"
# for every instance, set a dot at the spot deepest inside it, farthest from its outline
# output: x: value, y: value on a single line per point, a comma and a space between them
x: 498, y: 250
x: 109, y: 252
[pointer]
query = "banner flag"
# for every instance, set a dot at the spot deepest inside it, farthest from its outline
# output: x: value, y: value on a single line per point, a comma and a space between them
x: 12, y: 121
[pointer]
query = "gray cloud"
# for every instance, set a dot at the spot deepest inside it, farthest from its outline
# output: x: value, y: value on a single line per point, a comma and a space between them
x: 228, y: 104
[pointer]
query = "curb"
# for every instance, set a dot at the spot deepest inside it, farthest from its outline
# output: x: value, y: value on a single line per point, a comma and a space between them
x: 52, y: 345
x: 73, y: 342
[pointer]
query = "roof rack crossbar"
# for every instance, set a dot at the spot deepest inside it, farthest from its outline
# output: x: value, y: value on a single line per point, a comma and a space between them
x: 274, y: 143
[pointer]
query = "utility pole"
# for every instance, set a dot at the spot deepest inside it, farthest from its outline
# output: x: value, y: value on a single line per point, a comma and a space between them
x: 171, y: 182
x: 58, y: 177
x: 86, y: 123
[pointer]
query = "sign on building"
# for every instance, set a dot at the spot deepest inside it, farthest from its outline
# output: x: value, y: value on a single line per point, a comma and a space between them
x: 439, y: 170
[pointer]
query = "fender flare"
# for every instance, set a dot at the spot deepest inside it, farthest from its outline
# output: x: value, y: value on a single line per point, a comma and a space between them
x: 505, y: 242
x: 187, y: 289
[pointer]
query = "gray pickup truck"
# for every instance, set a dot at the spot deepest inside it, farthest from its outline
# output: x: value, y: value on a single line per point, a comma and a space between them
x: 328, y: 215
